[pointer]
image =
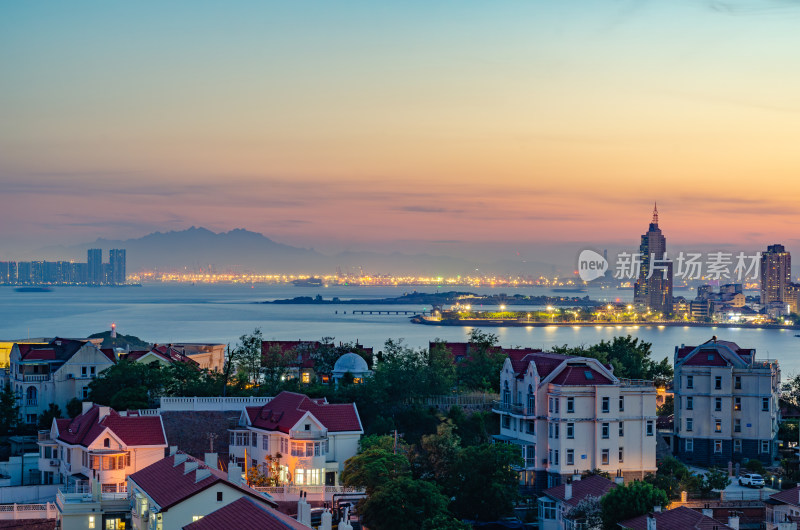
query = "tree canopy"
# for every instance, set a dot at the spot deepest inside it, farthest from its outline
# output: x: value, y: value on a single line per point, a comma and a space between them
x: 629, y: 501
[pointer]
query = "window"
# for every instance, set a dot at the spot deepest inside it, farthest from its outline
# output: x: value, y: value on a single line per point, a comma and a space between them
x: 298, y: 449
x: 689, y: 381
x: 570, y: 431
x: 127, y: 458
x: 254, y: 439
x: 689, y: 424
x: 570, y: 405
x: 621, y: 455
x: 84, y: 371
x: 284, y: 446
x: 92, y: 371
x: 717, y: 446
x: 555, y: 457
x: 196, y: 518
x: 765, y: 446
x: 91, y: 521
x: 506, y: 422
x: 531, y: 401
x: 606, y: 405
x: 309, y: 449
x: 737, y: 425
x: 621, y: 429
x: 85, y: 392
x: 765, y: 404
x: 604, y: 457
x: 506, y: 395
x: 529, y: 427
x: 605, y: 430
x: 553, y: 430
x: 737, y: 382
x: 219, y: 496
x: 622, y: 403
x: 547, y: 508
x: 120, y: 461
x: 553, y: 405
x: 737, y: 446
x: 717, y: 425
x: 689, y: 403
x: 737, y: 404
x: 570, y: 457
x: 718, y: 382
x: 689, y: 445
x: 265, y: 442
x: 718, y: 403
x: 649, y: 427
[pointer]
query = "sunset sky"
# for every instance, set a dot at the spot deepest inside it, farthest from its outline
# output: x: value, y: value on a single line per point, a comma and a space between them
x: 449, y: 127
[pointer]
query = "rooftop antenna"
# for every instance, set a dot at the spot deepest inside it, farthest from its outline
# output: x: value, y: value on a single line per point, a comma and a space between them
x: 655, y: 213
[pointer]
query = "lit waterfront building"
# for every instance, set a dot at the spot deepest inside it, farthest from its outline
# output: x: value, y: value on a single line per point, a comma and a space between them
x: 776, y: 278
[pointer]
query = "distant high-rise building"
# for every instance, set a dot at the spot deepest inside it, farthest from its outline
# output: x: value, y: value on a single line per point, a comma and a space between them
x: 776, y: 275
x: 95, y: 266
x: 653, y: 289
x: 117, y: 262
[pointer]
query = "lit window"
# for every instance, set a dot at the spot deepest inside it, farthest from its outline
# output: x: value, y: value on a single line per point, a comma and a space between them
x: 717, y: 446
x: 306, y: 377
x: 91, y: 521
x: 717, y: 425
x: 737, y: 403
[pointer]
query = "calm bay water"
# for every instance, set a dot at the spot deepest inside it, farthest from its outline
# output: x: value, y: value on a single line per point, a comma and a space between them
x: 221, y: 313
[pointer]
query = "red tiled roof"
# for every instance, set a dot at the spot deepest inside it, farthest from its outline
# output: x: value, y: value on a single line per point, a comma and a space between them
x: 746, y: 354
x: 286, y: 409
x: 580, y: 375
x: 245, y: 513
x: 682, y: 518
x: 593, y: 485
x: 707, y: 357
x: 168, y: 484
x: 791, y: 496
x: 109, y: 352
x: 132, y: 430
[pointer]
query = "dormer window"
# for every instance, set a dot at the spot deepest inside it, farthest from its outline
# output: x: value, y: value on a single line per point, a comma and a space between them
x: 308, y: 427
x: 107, y: 443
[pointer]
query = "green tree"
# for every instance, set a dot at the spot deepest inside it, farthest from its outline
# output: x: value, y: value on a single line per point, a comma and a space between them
x: 588, y: 511
x: 714, y: 479
x: 439, y: 453
x: 483, y: 482
x: 404, y: 503
x: 480, y: 370
x: 630, y: 357
x: 128, y: 375
x: 629, y: 501
x: 373, y: 468
x: 274, y: 368
x: 9, y: 410
x: 131, y: 398
x: 440, y: 370
x: 790, y: 390
x: 672, y: 476
x: 248, y: 356
x: 74, y: 407
x: 668, y: 407
x: 46, y: 418
x: 444, y: 522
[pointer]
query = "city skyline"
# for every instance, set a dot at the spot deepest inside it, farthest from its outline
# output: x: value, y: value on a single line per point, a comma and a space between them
x: 415, y: 127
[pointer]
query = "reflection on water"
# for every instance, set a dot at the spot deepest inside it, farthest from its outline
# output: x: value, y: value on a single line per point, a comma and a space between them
x: 221, y: 313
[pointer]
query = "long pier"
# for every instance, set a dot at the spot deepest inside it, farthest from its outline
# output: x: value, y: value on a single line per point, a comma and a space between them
x: 389, y: 312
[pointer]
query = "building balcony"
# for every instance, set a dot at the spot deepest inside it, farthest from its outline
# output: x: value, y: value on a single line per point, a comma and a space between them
x: 35, y: 378
x: 44, y: 436
x: 512, y: 408
x: 308, y: 435
x: 31, y: 402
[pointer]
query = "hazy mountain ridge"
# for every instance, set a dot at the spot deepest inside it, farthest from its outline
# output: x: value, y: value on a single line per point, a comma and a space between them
x: 240, y: 250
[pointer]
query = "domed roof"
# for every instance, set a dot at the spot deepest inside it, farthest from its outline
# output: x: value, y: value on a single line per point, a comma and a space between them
x: 351, y: 362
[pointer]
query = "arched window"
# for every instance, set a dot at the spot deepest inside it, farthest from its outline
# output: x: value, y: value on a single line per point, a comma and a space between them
x: 506, y: 394
x: 106, y: 443
x: 531, y: 401
x: 30, y: 394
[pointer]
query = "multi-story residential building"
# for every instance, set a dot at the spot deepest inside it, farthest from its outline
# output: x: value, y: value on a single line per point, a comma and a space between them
x: 653, y: 288
x: 572, y: 414
x: 726, y: 404
x: 102, y: 445
x: 116, y: 265
x: 54, y: 372
x: 306, y: 440
x: 556, y: 503
x: 179, y: 490
x: 164, y: 355
x: 209, y: 356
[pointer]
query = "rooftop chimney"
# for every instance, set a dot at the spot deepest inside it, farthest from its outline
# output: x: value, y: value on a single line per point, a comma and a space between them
x: 85, y: 406
x: 201, y: 473
x: 656, y: 509
x: 708, y: 512
x: 576, y: 477
x: 651, y: 522
x: 568, y: 491
x: 104, y: 411
x: 190, y: 466
x: 180, y: 458
x: 733, y: 522
x: 234, y: 473
x: 210, y: 460
x: 173, y: 449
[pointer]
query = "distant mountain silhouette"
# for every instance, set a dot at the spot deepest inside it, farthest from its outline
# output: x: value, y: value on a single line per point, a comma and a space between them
x: 241, y: 250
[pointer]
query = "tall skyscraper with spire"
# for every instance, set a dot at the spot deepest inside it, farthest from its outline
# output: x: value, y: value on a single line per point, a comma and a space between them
x: 653, y: 288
